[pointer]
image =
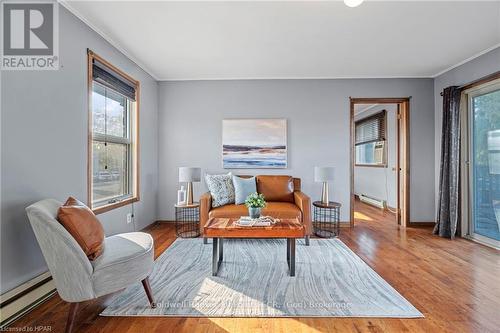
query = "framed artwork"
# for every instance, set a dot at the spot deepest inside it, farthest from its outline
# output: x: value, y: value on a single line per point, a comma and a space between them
x: 254, y: 143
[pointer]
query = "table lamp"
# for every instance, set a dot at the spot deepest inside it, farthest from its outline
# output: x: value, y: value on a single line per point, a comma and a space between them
x: 323, y: 174
x: 189, y: 175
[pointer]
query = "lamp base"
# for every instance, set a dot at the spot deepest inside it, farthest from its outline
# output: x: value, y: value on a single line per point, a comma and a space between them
x: 189, y: 194
x: 324, y: 194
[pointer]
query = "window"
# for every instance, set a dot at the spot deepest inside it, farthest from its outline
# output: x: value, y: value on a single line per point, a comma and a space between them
x: 113, y: 161
x: 370, y: 140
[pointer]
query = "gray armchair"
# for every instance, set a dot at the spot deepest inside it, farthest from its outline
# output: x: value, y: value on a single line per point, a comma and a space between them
x: 127, y: 258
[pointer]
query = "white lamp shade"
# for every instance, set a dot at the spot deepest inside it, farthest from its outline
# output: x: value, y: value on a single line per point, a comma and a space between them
x: 189, y: 174
x: 323, y: 174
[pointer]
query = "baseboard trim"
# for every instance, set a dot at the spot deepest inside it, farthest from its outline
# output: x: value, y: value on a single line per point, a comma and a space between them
x: 23, y: 299
x: 421, y: 224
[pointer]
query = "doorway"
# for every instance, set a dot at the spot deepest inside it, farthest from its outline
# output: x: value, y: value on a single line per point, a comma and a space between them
x: 379, y: 152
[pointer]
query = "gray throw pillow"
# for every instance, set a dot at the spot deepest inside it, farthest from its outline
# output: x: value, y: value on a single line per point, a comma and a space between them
x: 221, y: 188
x: 242, y: 188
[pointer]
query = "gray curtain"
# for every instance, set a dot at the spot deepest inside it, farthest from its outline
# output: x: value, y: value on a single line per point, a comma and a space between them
x: 449, y: 181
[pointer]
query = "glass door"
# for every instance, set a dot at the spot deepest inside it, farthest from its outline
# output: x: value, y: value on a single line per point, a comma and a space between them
x: 484, y: 168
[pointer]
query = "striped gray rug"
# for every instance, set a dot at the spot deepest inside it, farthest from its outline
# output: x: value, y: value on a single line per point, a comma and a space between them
x: 253, y: 281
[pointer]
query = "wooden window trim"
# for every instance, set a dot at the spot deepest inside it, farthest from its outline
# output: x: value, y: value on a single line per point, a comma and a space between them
x: 135, y: 145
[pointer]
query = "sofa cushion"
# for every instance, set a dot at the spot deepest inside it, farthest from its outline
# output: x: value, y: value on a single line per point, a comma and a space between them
x: 280, y: 210
x: 83, y: 225
x: 276, y: 188
x: 221, y: 188
x: 243, y: 187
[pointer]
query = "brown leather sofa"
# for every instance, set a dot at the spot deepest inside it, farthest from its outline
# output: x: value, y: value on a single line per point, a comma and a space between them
x: 283, y: 196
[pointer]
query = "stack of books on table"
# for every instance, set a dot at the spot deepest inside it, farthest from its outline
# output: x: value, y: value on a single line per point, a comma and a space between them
x: 263, y: 221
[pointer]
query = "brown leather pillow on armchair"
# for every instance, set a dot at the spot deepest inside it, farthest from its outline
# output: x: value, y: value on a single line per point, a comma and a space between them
x: 83, y: 225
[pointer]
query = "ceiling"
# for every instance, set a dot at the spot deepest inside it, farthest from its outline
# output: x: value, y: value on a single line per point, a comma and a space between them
x: 266, y: 40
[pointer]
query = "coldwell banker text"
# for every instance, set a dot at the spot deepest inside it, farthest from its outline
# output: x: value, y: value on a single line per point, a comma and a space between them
x: 30, y: 35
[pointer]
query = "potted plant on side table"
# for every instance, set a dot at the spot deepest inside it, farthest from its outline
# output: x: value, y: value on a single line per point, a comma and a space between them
x: 255, y: 202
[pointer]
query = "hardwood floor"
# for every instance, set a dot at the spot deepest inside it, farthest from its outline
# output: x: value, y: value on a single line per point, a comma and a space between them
x: 455, y: 284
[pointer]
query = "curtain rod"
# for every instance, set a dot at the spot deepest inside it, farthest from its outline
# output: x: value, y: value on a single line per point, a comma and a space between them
x: 482, y: 80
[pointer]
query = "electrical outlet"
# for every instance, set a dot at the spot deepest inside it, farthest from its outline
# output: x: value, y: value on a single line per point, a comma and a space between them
x: 129, y: 218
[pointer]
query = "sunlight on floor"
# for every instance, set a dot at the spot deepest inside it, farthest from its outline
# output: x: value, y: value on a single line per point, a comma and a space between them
x: 261, y: 325
x: 238, y: 301
x: 361, y: 216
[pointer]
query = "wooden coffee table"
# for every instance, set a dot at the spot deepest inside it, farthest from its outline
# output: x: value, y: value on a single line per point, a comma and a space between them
x: 220, y: 228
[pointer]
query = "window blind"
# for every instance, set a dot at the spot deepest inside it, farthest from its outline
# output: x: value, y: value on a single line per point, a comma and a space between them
x: 112, y: 80
x: 370, y: 129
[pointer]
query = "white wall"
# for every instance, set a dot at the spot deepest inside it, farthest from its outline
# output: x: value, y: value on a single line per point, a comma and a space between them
x: 44, y: 145
x: 482, y: 66
x: 380, y: 183
x: 190, y: 129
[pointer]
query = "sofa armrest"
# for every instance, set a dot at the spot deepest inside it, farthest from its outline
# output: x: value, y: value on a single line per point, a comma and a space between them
x: 205, y: 207
x: 304, y: 203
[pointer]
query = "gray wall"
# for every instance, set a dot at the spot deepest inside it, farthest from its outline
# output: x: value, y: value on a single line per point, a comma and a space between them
x: 380, y: 183
x: 482, y: 66
x: 44, y: 136
x: 44, y: 145
x: 191, y: 113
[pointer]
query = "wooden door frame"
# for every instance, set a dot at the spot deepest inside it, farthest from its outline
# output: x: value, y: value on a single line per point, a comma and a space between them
x: 402, y: 164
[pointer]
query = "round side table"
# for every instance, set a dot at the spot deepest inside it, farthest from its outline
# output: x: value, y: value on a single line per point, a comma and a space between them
x: 326, y: 221
x: 187, y: 220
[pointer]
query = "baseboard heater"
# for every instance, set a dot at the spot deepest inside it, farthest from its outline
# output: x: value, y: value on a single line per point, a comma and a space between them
x: 372, y: 201
x: 23, y: 299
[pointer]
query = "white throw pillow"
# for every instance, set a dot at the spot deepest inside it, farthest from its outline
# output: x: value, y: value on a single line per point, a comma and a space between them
x: 243, y: 187
x: 221, y: 188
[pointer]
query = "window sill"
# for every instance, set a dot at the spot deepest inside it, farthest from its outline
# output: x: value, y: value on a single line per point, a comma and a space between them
x: 371, y: 165
x: 114, y: 205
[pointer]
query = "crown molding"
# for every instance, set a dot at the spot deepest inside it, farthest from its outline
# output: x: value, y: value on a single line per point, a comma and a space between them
x: 251, y: 78
x: 67, y: 4
x: 477, y: 55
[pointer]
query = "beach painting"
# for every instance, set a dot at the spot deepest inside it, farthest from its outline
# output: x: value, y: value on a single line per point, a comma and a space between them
x: 254, y: 143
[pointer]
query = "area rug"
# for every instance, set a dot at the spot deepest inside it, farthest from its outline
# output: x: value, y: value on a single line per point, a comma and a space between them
x: 253, y: 281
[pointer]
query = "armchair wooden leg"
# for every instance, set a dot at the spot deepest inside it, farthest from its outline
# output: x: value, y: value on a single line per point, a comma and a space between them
x: 149, y: 293
x: 73, y: 309
x: 307, y: 240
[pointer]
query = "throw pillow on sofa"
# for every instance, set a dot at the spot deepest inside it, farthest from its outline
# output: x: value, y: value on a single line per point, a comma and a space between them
x: 221, y: 188
x: 276, y: 187
x: 243, y: 187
